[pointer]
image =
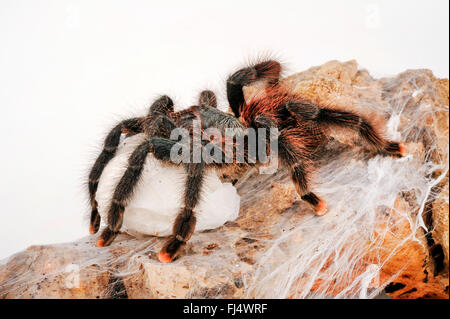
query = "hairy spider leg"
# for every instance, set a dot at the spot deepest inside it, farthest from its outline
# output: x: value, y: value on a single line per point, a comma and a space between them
x: 269, y: 70
x: 184, y: 224
x: 296, y: 146
x: 130, y: 126
x: 122, y: 193
x: 326, y: 116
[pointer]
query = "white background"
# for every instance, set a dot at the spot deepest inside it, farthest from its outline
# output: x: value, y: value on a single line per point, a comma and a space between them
x: 70, y: 69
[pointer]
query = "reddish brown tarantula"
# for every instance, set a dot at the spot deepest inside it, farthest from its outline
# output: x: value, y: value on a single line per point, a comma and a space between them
x: 301, y: 126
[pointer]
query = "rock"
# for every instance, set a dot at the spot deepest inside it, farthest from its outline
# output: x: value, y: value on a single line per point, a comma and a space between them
x: 386, y: 230
x: 440, y: 219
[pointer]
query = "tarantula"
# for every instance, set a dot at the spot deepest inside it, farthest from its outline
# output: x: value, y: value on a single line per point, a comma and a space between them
x: 302, y: 128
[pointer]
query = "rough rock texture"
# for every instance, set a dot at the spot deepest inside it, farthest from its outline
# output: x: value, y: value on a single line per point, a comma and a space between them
x: 407, y: 245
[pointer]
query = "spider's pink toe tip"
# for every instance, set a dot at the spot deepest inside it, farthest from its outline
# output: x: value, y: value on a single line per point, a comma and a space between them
x: 100, y: 242
x: 403, y: 149
x: 164, y: 257
x: 91, y: 230
x: 322, y: 208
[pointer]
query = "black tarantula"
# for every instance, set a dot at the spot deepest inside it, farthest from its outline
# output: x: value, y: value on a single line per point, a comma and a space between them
x: 302, y: 128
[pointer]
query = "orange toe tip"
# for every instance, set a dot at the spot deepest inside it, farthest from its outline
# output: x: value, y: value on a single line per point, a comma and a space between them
x: 164, y: 257
x: 403, y: 149
x: 91, y: 230
x: 100, y: 242
x: 322, y: 208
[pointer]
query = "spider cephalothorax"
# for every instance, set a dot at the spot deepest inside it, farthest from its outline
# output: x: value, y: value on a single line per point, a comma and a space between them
x: 301, y: 126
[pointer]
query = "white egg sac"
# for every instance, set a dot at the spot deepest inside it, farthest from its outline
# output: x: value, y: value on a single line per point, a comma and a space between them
x: 158, y: 197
